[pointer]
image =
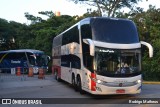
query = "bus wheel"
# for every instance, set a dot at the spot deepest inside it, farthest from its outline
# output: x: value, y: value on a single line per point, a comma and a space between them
x: 74, y: 83
x: 79, y: 85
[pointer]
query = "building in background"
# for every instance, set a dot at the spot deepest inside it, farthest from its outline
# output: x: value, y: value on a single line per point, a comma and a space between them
x: 58, y: 13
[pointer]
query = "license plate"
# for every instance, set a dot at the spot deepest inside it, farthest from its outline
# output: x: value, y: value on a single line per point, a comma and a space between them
x: 120, y: 91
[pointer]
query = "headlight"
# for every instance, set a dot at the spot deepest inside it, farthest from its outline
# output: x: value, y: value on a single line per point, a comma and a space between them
x: 99, y: 81
x: 138, y: 81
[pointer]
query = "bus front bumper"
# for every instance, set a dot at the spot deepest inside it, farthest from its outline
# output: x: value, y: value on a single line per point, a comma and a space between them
x: 106, y: 90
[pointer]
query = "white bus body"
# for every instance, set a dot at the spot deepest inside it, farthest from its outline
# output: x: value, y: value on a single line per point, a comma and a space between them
x: 100, y: 55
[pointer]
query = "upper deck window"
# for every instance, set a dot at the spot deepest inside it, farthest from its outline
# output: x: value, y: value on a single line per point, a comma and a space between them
x: 70, y: 36
x: 114, y: 31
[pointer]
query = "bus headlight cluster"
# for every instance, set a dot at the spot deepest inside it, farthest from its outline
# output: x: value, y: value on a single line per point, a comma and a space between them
x: 139, y: 81
x: 97, y: 80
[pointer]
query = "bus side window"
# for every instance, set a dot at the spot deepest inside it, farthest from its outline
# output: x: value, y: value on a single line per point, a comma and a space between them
x: 86, y: 31
x: 64, y: 61
x: 74, y: 60
x: 31, y: 60
x: 86, y: 34
x: 76, y: 63
x: 70, y: 36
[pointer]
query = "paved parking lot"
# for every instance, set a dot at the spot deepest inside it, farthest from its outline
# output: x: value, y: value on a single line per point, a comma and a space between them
x: 13, y: 81
x: 12, y: 86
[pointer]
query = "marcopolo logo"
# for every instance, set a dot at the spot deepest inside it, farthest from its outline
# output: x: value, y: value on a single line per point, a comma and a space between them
x: 6, y: 101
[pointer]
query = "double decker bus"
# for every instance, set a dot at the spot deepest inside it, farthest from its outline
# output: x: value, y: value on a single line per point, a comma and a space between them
x: 100, y: 55
x: 23, y: 59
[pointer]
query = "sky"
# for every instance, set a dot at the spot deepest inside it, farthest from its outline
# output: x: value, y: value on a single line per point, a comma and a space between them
x: 13, y: 10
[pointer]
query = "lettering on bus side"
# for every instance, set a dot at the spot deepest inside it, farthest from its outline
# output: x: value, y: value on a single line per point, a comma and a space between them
x: 15, y: 62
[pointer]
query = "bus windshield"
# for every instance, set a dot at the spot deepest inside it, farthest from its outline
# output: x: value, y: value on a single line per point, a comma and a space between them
x: 114, y: 31
x: 37, y: 59
x: 117, y: 63
x: 41, y: 60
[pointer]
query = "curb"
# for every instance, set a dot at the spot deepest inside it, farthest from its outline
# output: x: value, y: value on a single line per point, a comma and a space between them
x: 150, y: 82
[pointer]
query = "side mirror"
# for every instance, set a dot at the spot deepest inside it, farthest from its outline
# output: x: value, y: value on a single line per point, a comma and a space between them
x: 48, y: 58
x: 149, y: 47
x: 91, y: 45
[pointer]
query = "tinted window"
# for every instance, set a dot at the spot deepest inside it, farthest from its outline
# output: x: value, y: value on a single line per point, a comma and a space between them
x: 74, y: 60
x: 114, y: 31
x: 31, y: 58
x: 86, y: 31
x: 41, y: 60
x: 70, y: 36
x: 57, y: 41
x: 16, y: 56
x: 87, y: 59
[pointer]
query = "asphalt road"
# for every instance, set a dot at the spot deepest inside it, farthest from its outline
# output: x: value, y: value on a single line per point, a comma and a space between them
x: 32, y: 87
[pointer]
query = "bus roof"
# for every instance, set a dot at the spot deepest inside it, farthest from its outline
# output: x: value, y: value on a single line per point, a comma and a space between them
x: 22, y: 50
x: 88, y: 20
x: 107, y: 18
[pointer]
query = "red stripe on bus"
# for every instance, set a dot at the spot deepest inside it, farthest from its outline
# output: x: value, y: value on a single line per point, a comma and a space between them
x: 93, y: 83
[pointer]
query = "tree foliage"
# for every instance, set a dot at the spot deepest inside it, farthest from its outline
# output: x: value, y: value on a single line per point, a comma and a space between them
x: 47, y: 13
x: 149, y: 28
x: 109, y: 7
x: 9, y: 32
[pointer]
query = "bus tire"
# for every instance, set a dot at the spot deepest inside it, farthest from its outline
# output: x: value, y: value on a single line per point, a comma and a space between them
x: 79, y: 86
x: 74, y: 85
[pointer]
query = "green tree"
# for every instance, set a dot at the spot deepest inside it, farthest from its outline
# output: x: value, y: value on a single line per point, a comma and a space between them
x: 110, y: 7
x: 41, y: 34
x: 32, y: 18
x: 50, y: 14
x: 9, y: 31
x: 148, y: 24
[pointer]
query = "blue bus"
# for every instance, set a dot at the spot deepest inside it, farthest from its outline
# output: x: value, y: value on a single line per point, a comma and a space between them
x: 24, y: 59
